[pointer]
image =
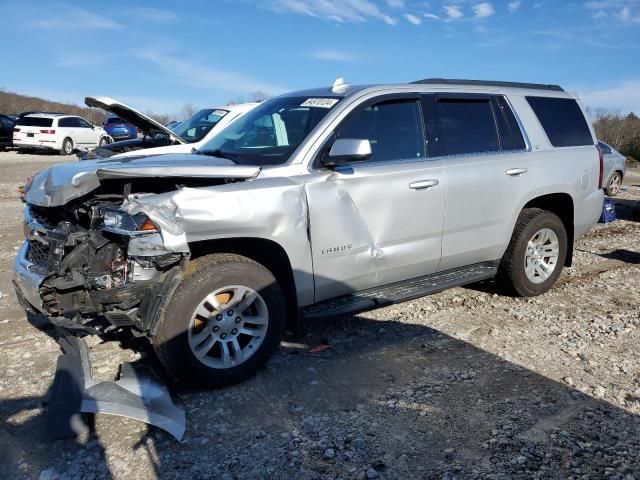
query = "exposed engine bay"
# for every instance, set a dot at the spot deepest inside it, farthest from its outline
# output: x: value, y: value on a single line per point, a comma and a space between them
x: 89, y: 251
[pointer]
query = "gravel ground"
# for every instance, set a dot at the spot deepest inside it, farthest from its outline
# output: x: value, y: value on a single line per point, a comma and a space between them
x: 462, y: 384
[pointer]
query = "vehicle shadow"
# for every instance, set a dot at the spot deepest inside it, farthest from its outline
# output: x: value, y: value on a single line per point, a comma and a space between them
x: 623, y: 255
x: 406, y: 400
x: 627, y: 209
x: 385, y: 391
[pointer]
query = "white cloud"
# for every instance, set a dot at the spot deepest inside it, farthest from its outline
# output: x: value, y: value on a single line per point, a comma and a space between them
x: 432, y: 16
x: 412, y: 19
x: 154, y: 14
x: 483, y: 10
x: 513, y: 7
x: 332, y: 55
x: 627, y: 11
x: 203, y: 75
x: 624, y: 97
x: 453, y: 12
x: 69, y: 18
x: 341, y: 11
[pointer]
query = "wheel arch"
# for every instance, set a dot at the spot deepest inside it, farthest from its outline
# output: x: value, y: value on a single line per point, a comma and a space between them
x: 562, y: 205
x: 266, y: 252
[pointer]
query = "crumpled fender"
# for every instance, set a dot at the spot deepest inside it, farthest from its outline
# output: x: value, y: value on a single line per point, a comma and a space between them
x: 271, y: 208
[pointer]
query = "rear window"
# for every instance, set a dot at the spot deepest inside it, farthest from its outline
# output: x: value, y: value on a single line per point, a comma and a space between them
x: 562, y: 121
x: 35, y: 122
x: 114, y: 120
x: 466, y: 126
x: 510, y: 134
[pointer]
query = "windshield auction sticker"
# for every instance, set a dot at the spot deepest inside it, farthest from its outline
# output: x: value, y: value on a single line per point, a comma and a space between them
x: 320, y: 102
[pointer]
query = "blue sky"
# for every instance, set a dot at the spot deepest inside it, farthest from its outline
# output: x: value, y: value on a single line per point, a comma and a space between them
x: 159, y: 55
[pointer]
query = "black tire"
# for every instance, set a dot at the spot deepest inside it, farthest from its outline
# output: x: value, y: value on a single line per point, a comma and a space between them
x: 613, y: 184
x: 511, y: 273
x: 104, y: 141
x: 67, y: 147
x: 205, y: 275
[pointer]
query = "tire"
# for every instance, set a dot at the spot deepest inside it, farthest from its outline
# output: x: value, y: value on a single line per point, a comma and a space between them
x: 512, y: 276
x: 103, y: 142
x: 613, y: 185
x: 215, y: 277
x: 67, y: 147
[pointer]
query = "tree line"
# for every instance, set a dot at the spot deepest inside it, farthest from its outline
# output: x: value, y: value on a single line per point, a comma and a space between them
x: 622, y: 132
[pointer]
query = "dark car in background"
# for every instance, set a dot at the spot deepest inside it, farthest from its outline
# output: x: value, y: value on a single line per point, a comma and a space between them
x: 120, y: 129
x: 6, y: 131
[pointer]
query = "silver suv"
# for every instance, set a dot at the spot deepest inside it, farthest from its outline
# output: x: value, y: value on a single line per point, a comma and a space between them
x: 316, y: 203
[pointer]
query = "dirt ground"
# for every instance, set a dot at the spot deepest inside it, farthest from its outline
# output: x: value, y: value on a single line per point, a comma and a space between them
x: 462, y: 384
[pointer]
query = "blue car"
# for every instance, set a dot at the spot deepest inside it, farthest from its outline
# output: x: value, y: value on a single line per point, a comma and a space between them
x: 120, y: 129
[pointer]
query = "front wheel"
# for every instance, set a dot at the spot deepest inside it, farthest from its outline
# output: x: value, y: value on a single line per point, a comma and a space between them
x: 535, y: 255
x: 104, y: 141
x: 613, y: 185
x: 222, y: 323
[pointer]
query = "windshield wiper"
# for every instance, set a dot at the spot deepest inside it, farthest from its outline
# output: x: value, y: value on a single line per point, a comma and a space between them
x: 218, y: 153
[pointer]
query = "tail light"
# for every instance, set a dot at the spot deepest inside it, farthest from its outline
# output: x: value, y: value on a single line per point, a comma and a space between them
x: 48, y: 132
x: 16, y: 129
x: 601, y: 176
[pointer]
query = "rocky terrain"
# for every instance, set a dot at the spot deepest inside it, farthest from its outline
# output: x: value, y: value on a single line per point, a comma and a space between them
x: 463, y: 384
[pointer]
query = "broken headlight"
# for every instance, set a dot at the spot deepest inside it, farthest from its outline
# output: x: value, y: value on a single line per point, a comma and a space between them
x: 120, y: 222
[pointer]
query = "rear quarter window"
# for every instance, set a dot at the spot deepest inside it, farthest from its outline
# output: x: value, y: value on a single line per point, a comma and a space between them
x: 562, y: 121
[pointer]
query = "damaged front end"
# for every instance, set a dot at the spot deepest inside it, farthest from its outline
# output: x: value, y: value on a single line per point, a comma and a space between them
x: 93, y: 268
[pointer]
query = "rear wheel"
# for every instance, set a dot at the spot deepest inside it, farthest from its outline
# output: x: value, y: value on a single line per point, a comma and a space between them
x: 614, y: 184
x: 222, y: 323
x: 67, y: 147
x: 536, y: 254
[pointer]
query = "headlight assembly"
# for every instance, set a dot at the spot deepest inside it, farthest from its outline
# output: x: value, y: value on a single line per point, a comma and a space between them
x: 122, y: 223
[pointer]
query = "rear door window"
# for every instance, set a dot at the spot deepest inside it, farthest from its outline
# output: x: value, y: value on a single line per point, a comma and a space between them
x: 508, y: 128
x: 35, y: 122
x: 460, y: 124
x: 393, y: 128
x: 562, y: 120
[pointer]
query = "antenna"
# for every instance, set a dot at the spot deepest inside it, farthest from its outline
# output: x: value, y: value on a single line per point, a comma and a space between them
x: 339, y: 86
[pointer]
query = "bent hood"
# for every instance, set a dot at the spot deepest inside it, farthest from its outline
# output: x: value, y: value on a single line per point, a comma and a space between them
x: 131, y: 115
x: 59, y: 184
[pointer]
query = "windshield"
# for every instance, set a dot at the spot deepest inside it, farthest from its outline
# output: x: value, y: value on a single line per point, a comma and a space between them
x: 270, y: 133
x: 198, y: 125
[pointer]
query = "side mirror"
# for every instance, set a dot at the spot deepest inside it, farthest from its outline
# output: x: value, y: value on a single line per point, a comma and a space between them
x: 347, y: 150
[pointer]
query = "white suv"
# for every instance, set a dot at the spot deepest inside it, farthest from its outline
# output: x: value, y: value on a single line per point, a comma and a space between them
x: 58, y: 132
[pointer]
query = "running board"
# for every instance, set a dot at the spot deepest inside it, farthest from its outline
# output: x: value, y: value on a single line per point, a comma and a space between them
x: 400, y: 291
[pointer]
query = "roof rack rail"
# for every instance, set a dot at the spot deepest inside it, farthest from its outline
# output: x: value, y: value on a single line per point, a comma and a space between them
x: 489, y: 83
x: 40, y: 112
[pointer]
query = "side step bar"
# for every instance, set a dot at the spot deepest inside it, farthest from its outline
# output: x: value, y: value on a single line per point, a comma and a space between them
x: 400, y: 291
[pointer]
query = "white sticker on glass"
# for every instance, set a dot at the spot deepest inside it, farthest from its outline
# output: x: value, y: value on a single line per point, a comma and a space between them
x: 320, y: 102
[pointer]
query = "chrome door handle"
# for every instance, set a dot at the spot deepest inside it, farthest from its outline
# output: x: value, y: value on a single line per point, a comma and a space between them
x: 422, y: 184
x: 514, y: 172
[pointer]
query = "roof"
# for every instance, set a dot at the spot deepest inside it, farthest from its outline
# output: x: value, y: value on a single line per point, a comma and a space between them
x: 434, y: 82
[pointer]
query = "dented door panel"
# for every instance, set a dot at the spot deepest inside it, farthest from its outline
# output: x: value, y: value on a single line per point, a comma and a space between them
x: 369, y: 227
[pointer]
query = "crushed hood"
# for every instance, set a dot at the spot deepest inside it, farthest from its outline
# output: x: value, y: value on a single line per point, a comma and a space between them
x: 59, y: 184
x: 131, y: 115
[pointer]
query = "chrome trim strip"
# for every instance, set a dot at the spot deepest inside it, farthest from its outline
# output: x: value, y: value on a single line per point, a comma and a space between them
x: 27, y: 279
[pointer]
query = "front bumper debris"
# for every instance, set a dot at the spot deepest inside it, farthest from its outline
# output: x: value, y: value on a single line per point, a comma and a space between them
x: 138, y: 393
x: 27, y: 279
